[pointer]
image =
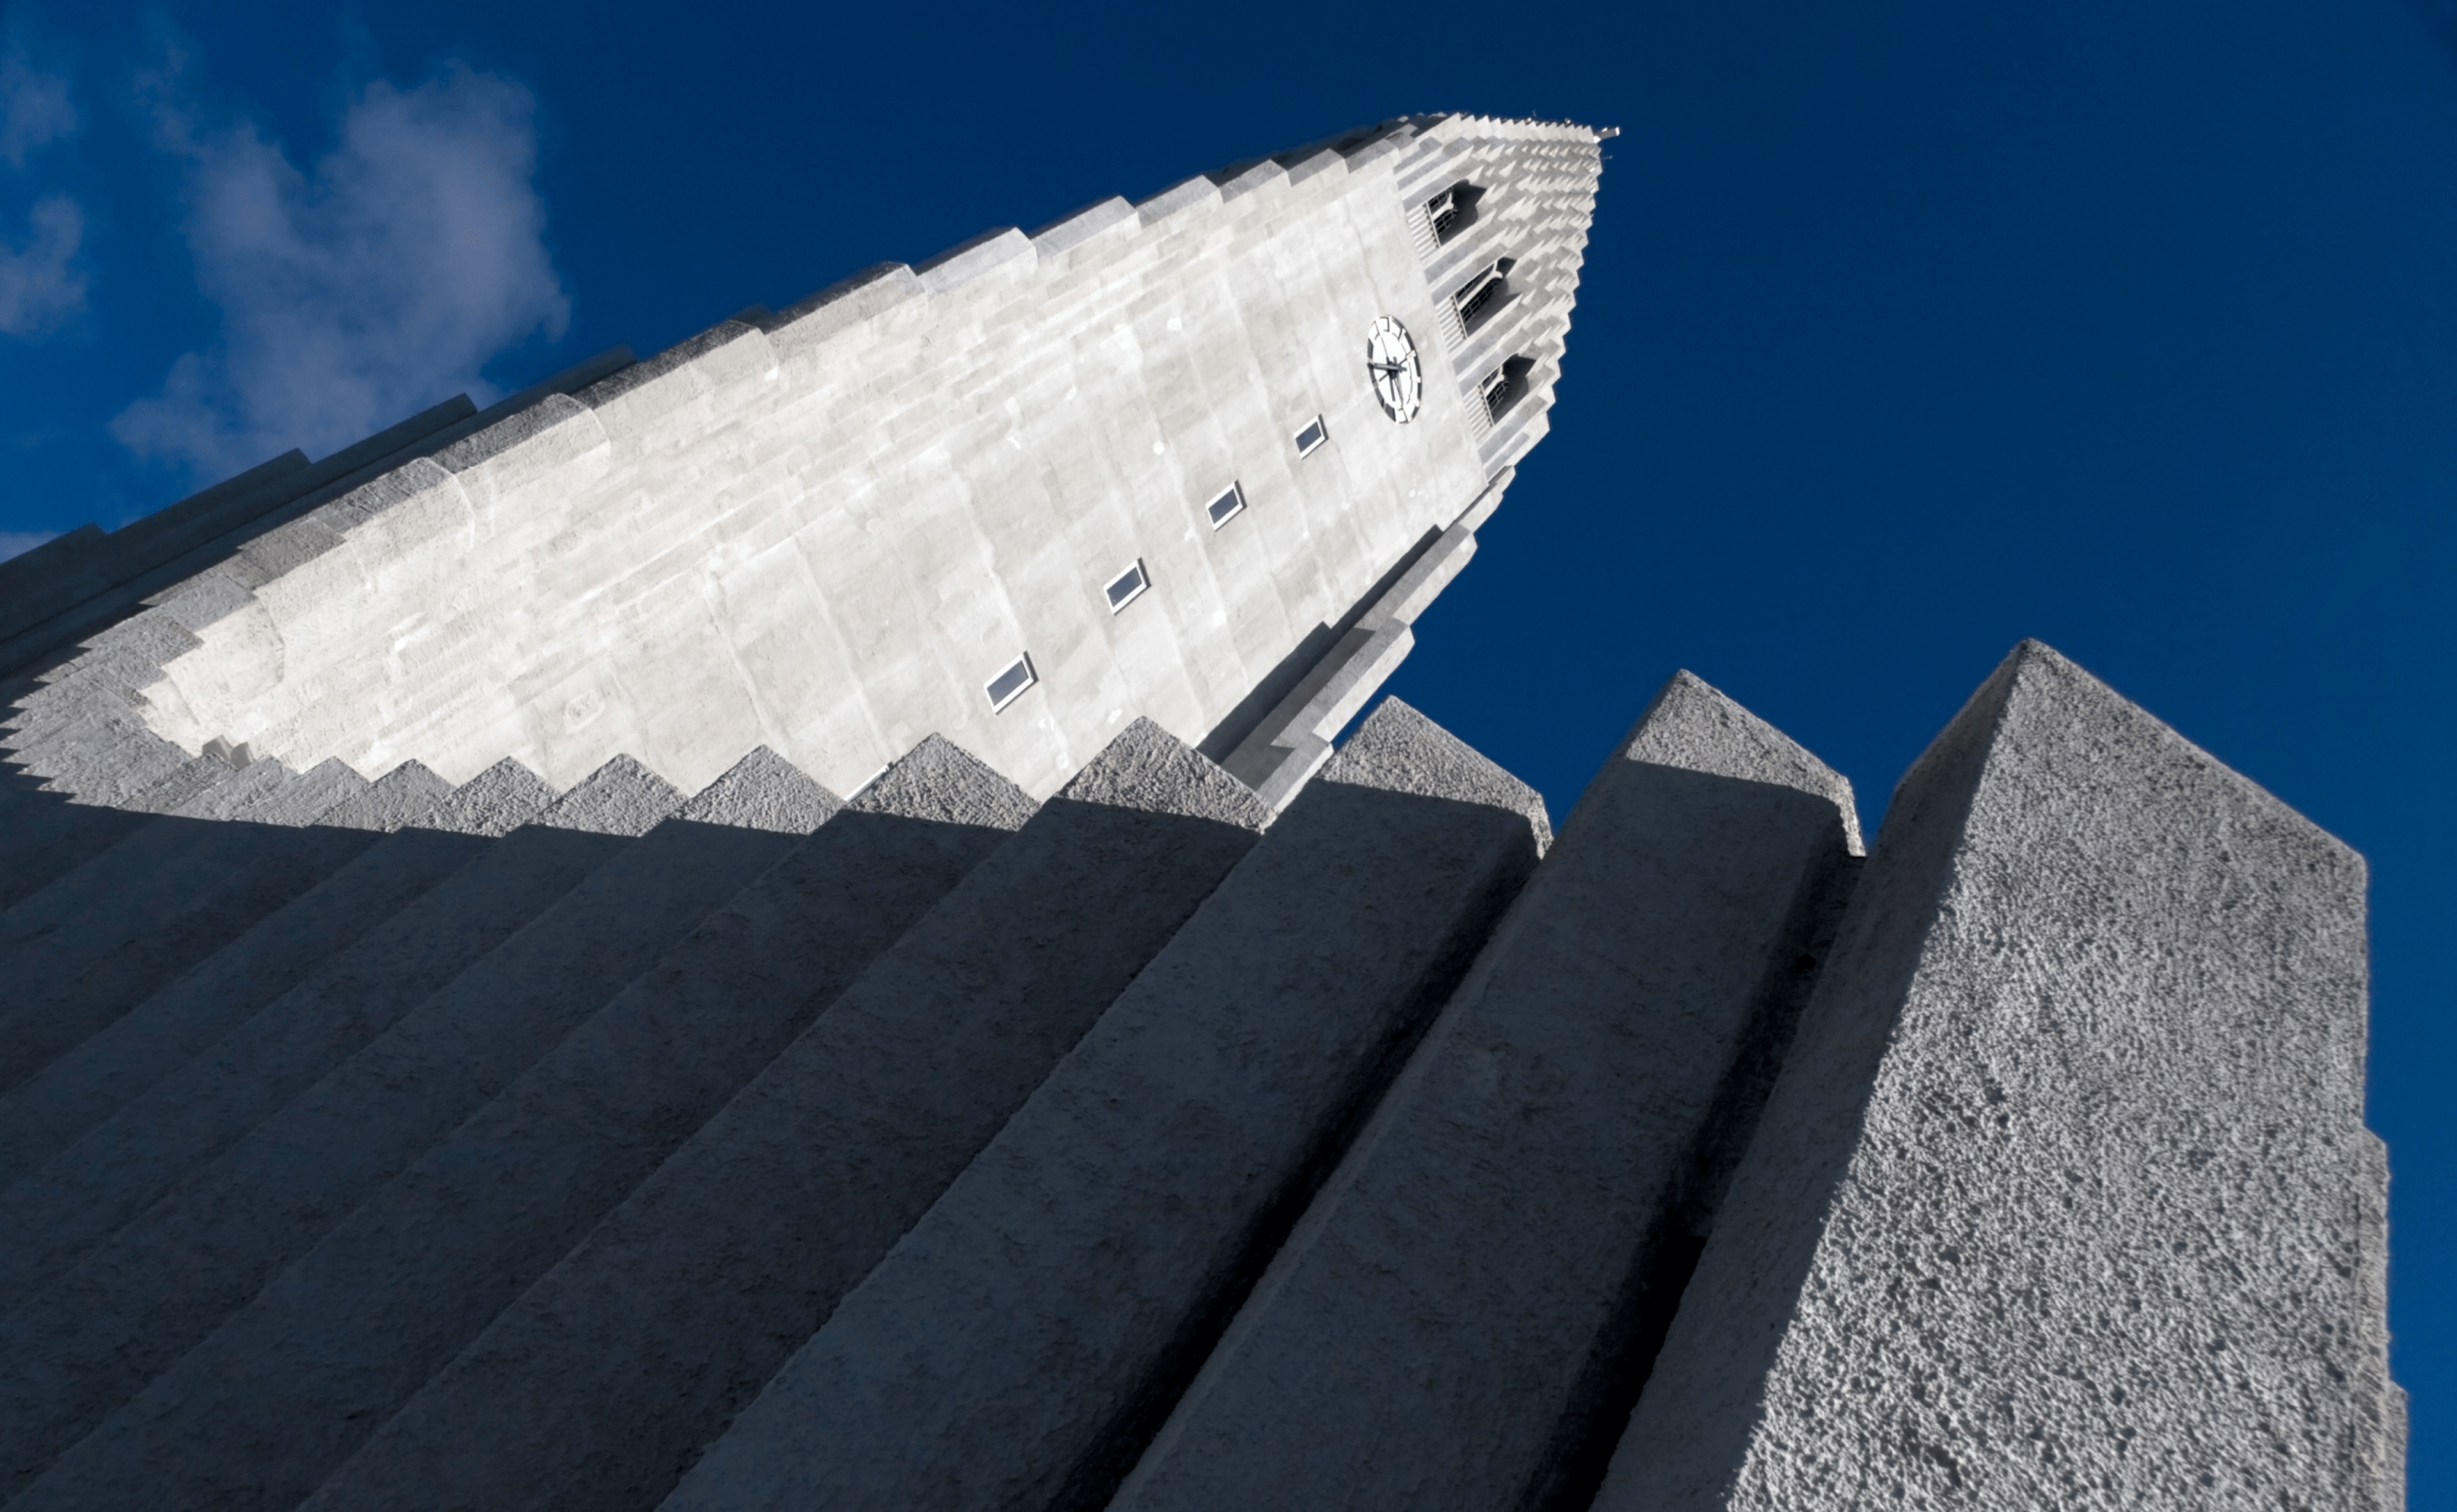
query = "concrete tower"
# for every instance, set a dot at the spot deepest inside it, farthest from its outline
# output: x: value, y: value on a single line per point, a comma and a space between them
x: 458, y: 1049
x: 1133, y: 464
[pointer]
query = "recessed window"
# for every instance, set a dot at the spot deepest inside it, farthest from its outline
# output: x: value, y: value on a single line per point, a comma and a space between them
x: 1311, y: 437
x: 1226, y: 507
x: 1502, y: 386
x: 1126, y: 587
x: 1481, y: 294
x: 1009, y: 685
x: 1453, y: 210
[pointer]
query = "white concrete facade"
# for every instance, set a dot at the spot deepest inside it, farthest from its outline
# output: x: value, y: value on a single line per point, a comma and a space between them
x: 827, y: 532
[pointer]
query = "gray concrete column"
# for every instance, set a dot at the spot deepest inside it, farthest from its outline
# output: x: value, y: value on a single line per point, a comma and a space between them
x: 601, y: 1384
x: 1461, y: 1319
x: 360, y: 1321
x: 49, y: 837
x: 155, y: 904
x: 145, y: 1296
x: 2049, y: 1205
x: 1015, y: 1348
x: 82, y: 1196
x: 150, y: 1041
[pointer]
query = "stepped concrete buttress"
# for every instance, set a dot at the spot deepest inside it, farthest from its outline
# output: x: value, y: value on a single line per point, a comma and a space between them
x: 2063, y: 1197
x: 1130, y: 1096
x: 599, y: 1387
x: 1007, y: 1351
x: 1456, y: 1317
x: 83, y: 1195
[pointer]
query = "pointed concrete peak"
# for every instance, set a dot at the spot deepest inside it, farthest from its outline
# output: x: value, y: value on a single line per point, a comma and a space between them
x: 1694, y: 725
x: 1967, y: 737
x: 621, y: 797
x: 763, y: 791
x: 493, y: 803
x: 2041, y: 712
x: 403, y: 796
x: 1399, y: 750
x: 1148, y: 768
x: 942, y: 782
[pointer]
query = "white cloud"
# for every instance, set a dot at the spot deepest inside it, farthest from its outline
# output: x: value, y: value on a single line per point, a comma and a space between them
x: 353, y: 295
x: 35, y: 107
x: 38, y: 286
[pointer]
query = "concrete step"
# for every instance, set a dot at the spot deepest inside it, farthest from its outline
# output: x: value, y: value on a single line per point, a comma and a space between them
x: 150, y: 1292
x: 115, y: 1171
x: 598, y: 1387
x: 164, y: 899
x: 1523, y: 1208
x: 364, y: 1319
x: 103, y: 1074
x: 1018, y: 1346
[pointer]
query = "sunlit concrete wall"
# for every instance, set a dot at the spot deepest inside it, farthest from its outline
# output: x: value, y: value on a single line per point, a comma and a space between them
x: 826, y: 531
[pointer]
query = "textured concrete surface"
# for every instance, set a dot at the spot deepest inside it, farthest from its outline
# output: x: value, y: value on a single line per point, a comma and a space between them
x: 1011, y: 1350
x: 159, y: 1285
x: 1458, y: 1311
x: 73, y: 1331
x: 104, y: 1072
x: 49, y: 837
x: 484, y: 894
x: 599, y: 1387
x: 388, y: 1298
x: 132, y: 920
x: 821, y: 530
x: 2063, y: 1197
x: 909, y: 501
x: 277, y: 1395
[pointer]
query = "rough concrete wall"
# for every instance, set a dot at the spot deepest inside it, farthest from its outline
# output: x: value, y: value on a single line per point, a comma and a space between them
x: 153, y: 1040
x: 1017, y: 1346
x: 1471, y: 1292
x: 827, y: 535
x: 601, y: 1385
x: 2063, y: 1197
x: 131, y: 1308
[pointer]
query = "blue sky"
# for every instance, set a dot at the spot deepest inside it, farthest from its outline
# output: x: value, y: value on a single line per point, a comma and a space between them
x: 1909, y: 329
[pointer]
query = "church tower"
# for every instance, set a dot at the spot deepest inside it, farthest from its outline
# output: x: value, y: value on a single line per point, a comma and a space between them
x: 1199, y: 460
x: 790, y: 925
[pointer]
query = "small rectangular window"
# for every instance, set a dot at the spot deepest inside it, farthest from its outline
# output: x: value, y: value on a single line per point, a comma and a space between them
x: 1126, y: 587
x: 1310, y: 436
x: 1005, y: 688
x: 1226, y: 507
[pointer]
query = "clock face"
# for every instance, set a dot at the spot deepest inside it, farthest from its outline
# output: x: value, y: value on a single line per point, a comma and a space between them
x: 1390, y: 362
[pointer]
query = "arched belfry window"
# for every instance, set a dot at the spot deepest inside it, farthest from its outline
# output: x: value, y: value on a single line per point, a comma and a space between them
x: 1453, y: 210
x: 1505, y: 386
x: 1484, y: 293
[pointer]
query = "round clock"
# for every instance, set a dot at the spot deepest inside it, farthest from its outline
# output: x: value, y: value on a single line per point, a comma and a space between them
x: 1390, y: 360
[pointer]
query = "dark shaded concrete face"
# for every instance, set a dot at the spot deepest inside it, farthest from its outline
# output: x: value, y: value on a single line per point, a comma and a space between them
x: 1019, y: 1346
x: 1471, y: 1302
x: 603, y: 1385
